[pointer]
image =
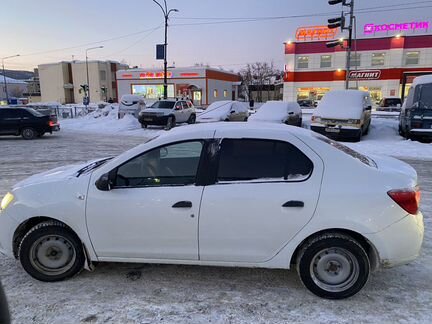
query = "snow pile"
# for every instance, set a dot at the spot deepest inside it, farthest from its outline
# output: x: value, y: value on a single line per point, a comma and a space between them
x: 341, y: 104
x: 105, y: 121
x: 275, y: 111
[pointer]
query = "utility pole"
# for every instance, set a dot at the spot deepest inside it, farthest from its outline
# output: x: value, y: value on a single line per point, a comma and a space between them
x: 166, y: 13
x: 340, y: 22
x: 4, y: 76
x: 87, y: 93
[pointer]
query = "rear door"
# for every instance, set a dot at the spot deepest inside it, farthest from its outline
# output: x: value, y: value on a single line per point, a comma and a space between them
x: 9, y: 121
x: 266, y: 192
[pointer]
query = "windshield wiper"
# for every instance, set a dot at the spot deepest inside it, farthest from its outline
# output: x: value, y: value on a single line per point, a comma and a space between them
x: 92, y: 166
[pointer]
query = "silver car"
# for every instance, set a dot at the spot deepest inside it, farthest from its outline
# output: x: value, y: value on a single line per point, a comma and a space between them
x: 168, y: 113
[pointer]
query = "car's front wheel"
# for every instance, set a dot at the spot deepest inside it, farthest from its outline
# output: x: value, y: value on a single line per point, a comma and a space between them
x: 192, y: 119
x: 51, y: 252
x: 170, y: 122
x: 333, y: 266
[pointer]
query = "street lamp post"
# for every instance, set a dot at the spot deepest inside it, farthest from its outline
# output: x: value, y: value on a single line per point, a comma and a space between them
x: 166, y: 13
x: 87, y: 72
x: 4, y: 75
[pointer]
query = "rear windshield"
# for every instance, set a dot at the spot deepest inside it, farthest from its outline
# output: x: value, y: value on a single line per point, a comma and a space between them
x: 164, y: 104
x: 34, y: 112
x: 362, y: 158
x: 392, y: 102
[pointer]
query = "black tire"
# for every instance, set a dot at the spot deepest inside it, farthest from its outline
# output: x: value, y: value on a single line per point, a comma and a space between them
x: 329, y: 256
x: 192, y: 119
x: 245, y: 119
x: 28, y: 133
x: 45, y: 248
x: 171, y: 122
x: 401, y: 132
x: 300, y: 123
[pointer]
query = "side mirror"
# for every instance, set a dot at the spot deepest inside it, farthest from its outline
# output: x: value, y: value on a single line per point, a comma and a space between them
x: 104, y: 183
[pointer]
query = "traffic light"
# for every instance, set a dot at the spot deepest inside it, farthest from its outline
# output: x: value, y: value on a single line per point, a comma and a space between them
x: 338, y: 42
x: 337, y: 22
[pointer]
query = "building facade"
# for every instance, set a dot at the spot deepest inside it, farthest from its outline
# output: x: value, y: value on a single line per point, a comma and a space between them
x: 203, y: 85
x: 61, y: 82
x: 15, y: 88
x: 378, y: 65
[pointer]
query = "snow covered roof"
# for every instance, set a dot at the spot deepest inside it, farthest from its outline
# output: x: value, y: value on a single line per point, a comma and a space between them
x: 11, y: 81
x: 341, y: 104
x: 275, y: 111
x: 422, y: 80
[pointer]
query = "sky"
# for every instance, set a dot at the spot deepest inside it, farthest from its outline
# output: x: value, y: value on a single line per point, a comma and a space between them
x: 47, y: 31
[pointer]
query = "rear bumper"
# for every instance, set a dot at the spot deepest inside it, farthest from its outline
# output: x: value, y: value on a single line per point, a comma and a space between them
x: 400, y: 242
x: 421, y: 132
x: 337, y: 132
x: 153, y: 120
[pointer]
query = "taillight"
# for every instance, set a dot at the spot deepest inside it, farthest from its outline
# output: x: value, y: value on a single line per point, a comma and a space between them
x: 408, y: 199
x: 51, y: 123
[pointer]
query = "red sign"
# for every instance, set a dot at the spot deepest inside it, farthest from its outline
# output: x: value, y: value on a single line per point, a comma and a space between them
x: 365, y: 75
x: 189, y: 74
x: 315, y: 33
x: 154, y: 75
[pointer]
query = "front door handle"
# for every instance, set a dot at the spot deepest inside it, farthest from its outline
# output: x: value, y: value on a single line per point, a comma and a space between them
x: 293, y: 203
x: 182, y: 204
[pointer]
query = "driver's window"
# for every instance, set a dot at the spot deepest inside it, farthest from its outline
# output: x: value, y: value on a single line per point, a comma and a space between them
x: 178, y: 106
x: 171, y: 165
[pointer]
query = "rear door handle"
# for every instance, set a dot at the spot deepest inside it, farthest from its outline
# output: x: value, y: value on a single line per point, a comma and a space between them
x: 182, y: 204
x: 293, y: 203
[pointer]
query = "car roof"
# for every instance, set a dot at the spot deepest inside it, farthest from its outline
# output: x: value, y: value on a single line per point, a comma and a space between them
x: 197, y: 129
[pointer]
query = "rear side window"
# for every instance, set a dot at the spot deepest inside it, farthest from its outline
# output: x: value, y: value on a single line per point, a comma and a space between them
x: 8, y: 113
x: 256, y: 159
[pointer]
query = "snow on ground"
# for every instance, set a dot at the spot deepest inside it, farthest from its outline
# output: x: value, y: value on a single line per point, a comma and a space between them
x: 139, y: 293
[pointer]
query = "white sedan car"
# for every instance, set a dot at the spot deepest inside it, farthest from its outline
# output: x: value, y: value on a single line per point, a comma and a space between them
x: 222, y: 194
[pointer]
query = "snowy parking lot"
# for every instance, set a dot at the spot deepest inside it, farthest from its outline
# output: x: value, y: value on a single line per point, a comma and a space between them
x: 135, y: 293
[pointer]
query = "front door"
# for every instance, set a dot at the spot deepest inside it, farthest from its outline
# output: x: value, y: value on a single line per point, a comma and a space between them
x: 152, y: 210
x: 10, y: 120
x: 266, y: 192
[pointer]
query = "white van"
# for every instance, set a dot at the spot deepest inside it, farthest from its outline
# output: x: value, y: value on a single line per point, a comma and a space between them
x: 343, y: 114
x: 131, y: 105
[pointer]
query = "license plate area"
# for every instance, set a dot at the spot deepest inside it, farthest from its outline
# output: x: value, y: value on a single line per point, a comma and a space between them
x: 332, y: 130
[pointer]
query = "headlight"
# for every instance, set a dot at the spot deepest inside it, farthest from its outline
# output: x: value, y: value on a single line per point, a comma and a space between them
x: 353, y: 121
x: 316, y: 119
x: 6, y: 201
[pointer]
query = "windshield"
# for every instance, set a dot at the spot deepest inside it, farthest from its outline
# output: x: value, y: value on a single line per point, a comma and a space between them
x: 362, y: 158
x: 163, y: 104
x: 425, y: 100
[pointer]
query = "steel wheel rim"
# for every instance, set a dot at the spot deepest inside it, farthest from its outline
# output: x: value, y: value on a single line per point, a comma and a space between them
x: 52, y: 255
x: 334, y: 269
x: 170, y: 122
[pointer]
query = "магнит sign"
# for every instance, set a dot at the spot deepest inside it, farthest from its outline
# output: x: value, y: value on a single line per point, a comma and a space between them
x: 365, y: 75
x: 372, y: 28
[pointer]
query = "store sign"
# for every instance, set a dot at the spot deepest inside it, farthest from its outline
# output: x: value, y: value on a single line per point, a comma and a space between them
x: 315, y: 33
x: 412, y: 26
x: 365, y: 75
x: 154, y: 75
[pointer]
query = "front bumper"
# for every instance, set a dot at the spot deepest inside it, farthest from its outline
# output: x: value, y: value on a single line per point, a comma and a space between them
x: 400, y: 242
x: 8, y: 225
x: 153, y: 120
x: 337, y: 132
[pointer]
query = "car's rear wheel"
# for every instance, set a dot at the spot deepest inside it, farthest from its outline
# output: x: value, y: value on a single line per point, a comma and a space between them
x: 51, y: 252
x: 192, y: 119
x: 28, y: 133
x: 170, y: 122
x: 333, y: 266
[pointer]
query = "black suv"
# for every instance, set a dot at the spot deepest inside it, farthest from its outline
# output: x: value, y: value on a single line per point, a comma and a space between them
x: 26, y: 122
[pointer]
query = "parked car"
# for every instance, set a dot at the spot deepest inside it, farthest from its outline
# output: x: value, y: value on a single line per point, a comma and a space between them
x: 415, y: 121
x: 168, y: 113
x: 343, y: 114
x: 131, y: 105
x: 307, y: 103
x: 26, y: 122
x: 4, y: 310
x: 279, y: 112
x: 224, y: 111
x: 390, y: 104
x: 226, y: 194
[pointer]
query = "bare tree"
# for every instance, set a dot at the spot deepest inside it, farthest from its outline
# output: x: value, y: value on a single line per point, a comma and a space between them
x: 16, y: 92
x: 258, y: 75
